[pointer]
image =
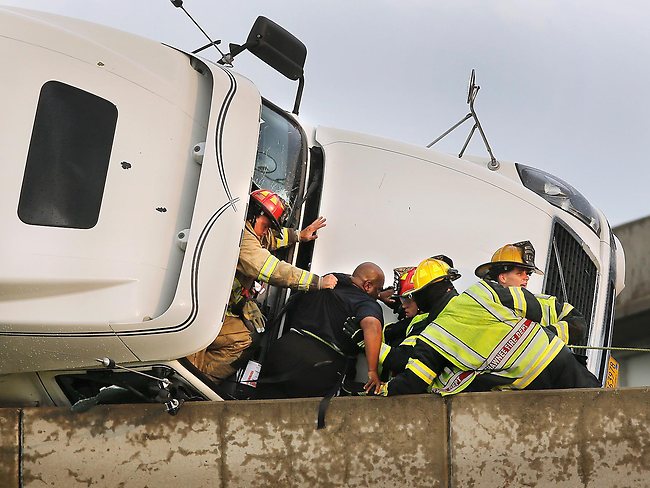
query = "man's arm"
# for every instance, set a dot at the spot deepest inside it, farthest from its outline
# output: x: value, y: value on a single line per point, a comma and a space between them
x: 519, y: 300
x: 568, y: 323
x: 576, y: 325
x: 395, y: 358
x: 395, y: 332
x: 371, y: 328
x: 258, y: 263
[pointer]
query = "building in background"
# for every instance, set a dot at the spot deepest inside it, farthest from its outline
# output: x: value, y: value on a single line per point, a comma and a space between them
x: 632, y: 319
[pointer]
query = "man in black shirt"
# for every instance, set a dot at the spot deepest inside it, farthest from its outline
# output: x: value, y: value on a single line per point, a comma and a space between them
x: 314, y: 356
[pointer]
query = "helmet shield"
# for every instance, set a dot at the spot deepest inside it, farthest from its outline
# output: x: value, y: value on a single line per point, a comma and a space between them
x: 403, y: 281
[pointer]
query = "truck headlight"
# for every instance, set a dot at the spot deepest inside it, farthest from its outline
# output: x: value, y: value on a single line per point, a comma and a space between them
x: 559, y: 193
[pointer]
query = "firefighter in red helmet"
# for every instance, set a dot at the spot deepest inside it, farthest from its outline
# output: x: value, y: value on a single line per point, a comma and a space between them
x: 263, y: 234
x: 399, y: 338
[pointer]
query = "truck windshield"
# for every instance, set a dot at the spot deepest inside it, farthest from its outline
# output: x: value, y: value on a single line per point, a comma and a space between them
x: 279, y: 162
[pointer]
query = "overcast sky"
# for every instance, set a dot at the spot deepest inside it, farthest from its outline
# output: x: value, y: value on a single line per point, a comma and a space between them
x: 563, y: 82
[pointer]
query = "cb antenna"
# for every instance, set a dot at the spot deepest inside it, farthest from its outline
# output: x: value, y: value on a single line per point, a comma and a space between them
x: 224, y: 59
x: 471, y: 96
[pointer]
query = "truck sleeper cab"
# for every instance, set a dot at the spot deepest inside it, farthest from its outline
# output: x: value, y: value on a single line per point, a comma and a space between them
x: 128, y: 166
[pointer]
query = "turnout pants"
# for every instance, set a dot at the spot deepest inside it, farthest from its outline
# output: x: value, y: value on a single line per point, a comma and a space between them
x: 215, y: 361
x: 565, y: 371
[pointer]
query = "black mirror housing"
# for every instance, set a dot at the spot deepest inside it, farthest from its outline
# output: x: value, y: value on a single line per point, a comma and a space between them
x: 277, y: 47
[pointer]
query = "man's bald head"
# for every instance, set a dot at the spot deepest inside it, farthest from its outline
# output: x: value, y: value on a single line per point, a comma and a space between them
x: 369, y: 277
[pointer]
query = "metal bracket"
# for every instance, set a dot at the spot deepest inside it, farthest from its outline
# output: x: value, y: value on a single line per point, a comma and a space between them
x: 472, y: 92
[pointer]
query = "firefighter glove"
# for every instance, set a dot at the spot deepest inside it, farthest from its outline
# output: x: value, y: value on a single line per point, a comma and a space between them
x: 352, y: 329
x: 252, y: 313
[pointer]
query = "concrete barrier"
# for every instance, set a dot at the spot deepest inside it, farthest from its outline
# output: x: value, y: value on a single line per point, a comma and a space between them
x: 367, y: 442
x: 580, y: 438
x: 568, y: 438
x: 9, y: 447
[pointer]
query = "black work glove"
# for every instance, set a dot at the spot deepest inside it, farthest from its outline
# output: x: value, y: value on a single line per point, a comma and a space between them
x: 352, y: 329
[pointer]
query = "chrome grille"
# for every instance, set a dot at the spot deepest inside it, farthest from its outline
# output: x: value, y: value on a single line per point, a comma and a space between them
x: 578, y: 272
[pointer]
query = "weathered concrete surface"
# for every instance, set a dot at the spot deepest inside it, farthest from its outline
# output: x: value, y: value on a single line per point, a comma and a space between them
x: 579, y: 438
x: 9, y: 447
x: 367, y: 442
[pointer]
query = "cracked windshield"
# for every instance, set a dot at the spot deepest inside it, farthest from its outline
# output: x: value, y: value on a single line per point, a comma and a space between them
x: 279, y: 155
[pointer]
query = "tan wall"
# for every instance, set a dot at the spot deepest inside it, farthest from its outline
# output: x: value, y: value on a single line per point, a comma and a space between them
x: 587, y: 438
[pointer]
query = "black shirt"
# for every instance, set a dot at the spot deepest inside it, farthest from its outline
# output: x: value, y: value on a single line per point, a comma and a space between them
x: 323, y: 312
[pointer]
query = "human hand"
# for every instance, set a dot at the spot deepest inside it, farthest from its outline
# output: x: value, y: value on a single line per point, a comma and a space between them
x: 373, y: 385
x: 385, y: 297
x: 309, y: 232
x: 252, y: 313
x: 328, y: 282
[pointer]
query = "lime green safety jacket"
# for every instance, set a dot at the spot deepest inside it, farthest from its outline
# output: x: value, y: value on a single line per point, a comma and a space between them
x: 477, y: 335
x: 393, y: 358
x: 568, y: 324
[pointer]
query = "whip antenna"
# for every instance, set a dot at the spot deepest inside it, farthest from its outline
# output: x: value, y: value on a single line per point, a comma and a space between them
x: 179, y: 4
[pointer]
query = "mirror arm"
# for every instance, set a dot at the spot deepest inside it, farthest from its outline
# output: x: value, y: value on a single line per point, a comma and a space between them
x: 203, y: 48
x: 236, y: 49
x: 301, y: 86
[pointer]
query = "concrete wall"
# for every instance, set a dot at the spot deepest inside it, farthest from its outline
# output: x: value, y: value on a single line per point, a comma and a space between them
x: 580, y: 438
x: 9, y: 447
x: 560, y: 439
x: 635, y: 297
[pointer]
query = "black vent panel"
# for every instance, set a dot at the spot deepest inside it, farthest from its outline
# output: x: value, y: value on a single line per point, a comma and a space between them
x: 578, y: 272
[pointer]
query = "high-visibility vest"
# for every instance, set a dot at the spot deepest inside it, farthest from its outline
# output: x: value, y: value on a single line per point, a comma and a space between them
x: 477, y: 334
x: 551, y: 317
x: 545, y: 309
x: 409, y: 339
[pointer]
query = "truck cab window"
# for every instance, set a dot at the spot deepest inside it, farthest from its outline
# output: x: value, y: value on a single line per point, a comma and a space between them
x: 68, y: 156
x: 280, y: 167
x: 280, y: 155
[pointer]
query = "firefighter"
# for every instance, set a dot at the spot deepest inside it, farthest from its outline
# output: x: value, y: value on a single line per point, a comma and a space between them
x: 478, y: 344
x: 262, y: 234
x: 511, y: 266
x: 405, y: 308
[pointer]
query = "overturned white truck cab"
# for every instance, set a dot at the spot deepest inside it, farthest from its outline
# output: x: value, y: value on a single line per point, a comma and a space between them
x: 127, y: 166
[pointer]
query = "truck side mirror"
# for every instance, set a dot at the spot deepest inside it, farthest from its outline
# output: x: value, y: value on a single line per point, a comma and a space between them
x: 276, y: 46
